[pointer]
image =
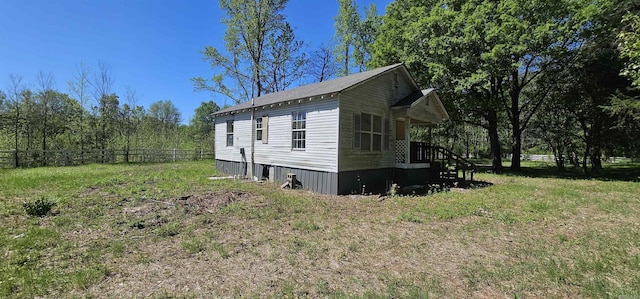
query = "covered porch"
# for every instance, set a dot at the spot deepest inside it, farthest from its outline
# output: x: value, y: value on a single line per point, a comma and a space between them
x: 420, y: 161
x: 423, y: 109
x: 411, y: 154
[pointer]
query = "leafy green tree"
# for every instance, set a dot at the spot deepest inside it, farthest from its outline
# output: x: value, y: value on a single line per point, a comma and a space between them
x: 202, y: 123
x: 241, y: 71
x: 346, y: 26
x: 15, y: 90
x: 164, y: 115
x: 629, y: 38
x: 108, y: 120
x: 366, y: 33
x: 486, y: 53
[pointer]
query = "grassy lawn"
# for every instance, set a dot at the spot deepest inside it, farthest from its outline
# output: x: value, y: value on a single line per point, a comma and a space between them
x: 166, y: 230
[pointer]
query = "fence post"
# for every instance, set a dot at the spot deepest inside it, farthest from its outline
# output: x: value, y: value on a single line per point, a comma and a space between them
x: 201, y: 154
x: 15, y: 159
x: 174, y: 155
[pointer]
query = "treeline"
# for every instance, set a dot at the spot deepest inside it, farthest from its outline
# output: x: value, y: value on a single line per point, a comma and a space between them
x: 90, y: 116
x: 555, y: 77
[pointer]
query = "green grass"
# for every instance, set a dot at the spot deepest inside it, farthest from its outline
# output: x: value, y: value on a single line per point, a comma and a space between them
x: 122, y: 230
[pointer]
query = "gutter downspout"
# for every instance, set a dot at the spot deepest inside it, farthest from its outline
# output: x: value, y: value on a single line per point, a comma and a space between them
x: 253, y: 140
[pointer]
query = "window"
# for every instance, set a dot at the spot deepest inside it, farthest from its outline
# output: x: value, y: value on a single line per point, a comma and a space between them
x: 396, y: 81
x: 262, y: 128
x: 376, y: 133
x: 259, y: 128
x: 386, y: 134
x: 229, y: 133
x: 298, y: 130
x: 356, y: 130
x: 370, y: 132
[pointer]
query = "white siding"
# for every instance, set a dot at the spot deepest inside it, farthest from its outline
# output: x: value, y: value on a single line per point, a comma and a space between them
x: 320, y: 153
x: 241, y: 137
x: 372, y: 97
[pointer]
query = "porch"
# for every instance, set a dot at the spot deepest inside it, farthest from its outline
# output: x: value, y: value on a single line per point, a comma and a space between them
x: 436, y: 162
x: 420, y: 161
x: 412, y: 154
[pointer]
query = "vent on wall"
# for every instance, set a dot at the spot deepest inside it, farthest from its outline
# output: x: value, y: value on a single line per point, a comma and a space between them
x: 396, y: 81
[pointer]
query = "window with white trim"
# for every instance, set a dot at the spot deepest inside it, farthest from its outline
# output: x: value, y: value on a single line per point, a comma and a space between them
x: 262, y: 128
x: 259, y: 128
x: 298, y: 130
x: 229, y: 133
x: 370, y: 132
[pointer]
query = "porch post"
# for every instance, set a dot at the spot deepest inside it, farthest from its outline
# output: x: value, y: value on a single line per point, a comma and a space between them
x: 407, y: 140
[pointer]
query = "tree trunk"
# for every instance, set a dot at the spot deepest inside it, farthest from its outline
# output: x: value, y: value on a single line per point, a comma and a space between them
x: 596, y: 161
x: 516, y: 130
x: 516, y: 146
x: 494, y: 140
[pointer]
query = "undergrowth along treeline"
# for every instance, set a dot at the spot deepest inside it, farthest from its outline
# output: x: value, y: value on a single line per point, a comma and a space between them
x: 39, y: 158
x: 37, y: 116
x: 165, y: 230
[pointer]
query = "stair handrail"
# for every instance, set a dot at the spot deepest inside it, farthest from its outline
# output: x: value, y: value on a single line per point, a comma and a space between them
x: 468, y: 165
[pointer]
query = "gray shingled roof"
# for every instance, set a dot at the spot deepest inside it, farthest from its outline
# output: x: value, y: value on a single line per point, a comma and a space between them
x: 311, y: 90
x: 410, y: 99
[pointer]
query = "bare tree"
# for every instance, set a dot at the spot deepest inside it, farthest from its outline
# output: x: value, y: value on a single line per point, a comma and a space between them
x: 46, y: 93
x: 79, y: 87
x: 102, y: 81
x: 102, y: 84
x: 322, y: 65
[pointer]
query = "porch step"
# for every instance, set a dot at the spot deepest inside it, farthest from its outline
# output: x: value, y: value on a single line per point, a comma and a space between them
x: 449, y: 175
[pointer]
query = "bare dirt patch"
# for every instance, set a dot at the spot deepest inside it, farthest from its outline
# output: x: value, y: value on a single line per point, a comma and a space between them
x: 213, y: 201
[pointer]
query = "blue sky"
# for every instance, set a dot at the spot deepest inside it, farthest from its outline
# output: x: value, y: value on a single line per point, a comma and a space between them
x: 151, y: 46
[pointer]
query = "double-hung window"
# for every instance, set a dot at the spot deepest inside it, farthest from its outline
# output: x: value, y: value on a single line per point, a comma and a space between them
x: 370, y: 132
x: 229, y: 133
x: 298, y: 130
x: 262, y: 128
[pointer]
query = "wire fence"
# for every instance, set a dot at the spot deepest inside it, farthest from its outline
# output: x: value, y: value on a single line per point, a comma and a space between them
x: 71, y: 157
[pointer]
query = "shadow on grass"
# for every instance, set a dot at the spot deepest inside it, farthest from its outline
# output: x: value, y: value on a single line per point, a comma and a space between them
x: 433, y: 188
x: 627, y: 172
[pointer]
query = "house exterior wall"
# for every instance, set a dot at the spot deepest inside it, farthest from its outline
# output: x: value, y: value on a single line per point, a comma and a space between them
x: 371, y: 97
x: 316, y: 165
x: 321, y: 152
x: 317, y: 181
x: 329, y: 163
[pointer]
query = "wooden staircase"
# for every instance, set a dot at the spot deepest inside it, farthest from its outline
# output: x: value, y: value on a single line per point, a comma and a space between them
x: 448, y: 166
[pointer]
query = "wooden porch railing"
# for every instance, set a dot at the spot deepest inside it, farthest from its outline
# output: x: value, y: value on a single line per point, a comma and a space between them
x: 444, y: 162
x: 451, y: 163
x: 420, y: 152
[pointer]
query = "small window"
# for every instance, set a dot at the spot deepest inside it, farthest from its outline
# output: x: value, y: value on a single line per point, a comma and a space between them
x: 298, y: 130
x: 396, y: 81
x: 229, y: 133
x: 262, y: 128
x: 259, y: 128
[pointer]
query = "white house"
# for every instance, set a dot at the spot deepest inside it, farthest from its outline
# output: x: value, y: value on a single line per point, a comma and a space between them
x: 339, y: 136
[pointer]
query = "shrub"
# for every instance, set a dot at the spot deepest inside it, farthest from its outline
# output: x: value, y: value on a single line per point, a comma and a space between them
x: 40, y: 207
